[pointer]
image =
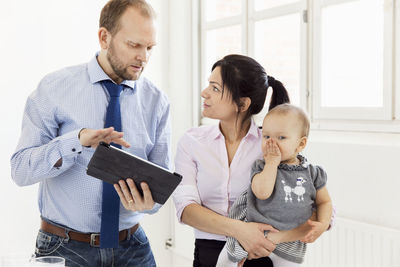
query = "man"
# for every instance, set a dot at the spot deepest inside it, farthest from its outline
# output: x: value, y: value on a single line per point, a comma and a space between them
x: 83, y: 219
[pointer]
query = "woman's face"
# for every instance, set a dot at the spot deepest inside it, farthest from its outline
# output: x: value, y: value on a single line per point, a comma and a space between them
x: 217, y: 105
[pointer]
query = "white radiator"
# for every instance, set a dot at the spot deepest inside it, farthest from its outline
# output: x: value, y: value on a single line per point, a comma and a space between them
x: 355, y: 244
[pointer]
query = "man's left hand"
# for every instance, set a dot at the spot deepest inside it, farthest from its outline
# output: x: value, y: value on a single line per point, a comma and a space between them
x: 130, y: 197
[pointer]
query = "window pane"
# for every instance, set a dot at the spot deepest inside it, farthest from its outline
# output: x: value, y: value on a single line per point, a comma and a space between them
x: 352, y: 55
x: 217, y: 9
x: 277, y: 48
x: 265, y: 4
x: 221, y: 42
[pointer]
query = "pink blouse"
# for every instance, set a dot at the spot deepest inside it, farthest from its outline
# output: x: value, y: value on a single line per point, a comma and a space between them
x: 208, y: 180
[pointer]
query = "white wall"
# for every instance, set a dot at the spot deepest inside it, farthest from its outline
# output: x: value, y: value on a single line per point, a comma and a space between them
x: 363, y: 174
x: 158, y: 227
x: 38, y: 37
x: 181, y: 97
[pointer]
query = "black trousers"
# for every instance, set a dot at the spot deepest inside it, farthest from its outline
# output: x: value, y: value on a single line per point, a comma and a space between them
x: 206, y: 254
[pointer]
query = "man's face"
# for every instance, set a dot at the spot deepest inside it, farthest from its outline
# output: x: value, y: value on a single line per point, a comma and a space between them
x: 131, y: 46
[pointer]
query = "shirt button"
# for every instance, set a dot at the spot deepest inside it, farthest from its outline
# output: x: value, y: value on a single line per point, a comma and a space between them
x: 73, y: 150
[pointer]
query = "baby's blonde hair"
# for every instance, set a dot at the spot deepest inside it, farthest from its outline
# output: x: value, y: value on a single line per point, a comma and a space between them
x: 288, y: 108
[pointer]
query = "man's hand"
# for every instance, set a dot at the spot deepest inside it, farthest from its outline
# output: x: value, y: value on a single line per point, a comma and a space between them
x: 271, y: 152
x: 252, y: 239
x: 92, y: 138
x: 131, y: 198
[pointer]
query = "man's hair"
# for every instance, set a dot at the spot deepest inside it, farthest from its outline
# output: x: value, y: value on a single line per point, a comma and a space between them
x: 113, y: 10
x: 284, y: 109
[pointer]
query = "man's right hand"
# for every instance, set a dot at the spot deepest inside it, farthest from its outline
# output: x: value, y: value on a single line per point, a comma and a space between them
x: 251, y: 237
x: 92, y: 138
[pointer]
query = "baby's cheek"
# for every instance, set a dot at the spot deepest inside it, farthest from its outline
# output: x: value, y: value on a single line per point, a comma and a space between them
x: 264, y: 146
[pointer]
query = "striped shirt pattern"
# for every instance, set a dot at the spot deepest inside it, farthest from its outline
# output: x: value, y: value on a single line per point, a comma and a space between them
x: 291, y: 251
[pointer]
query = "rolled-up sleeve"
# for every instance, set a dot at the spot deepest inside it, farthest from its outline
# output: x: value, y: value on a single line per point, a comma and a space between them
x: 187, y: 192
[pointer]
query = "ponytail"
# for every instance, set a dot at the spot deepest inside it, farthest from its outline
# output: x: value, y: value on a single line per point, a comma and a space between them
x: 279, y: 93
x: 243, y: 76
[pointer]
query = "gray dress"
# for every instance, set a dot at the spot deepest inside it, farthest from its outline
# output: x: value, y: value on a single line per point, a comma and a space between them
x: 290, y: 205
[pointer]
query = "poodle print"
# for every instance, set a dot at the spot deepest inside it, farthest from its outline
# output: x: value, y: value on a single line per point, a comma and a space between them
x: 298, y: 190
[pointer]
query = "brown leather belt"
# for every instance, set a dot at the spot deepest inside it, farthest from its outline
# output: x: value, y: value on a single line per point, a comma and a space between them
x: 92, y: 239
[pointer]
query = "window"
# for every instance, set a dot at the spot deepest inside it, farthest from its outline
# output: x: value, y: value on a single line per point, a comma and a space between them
x: 351, y: 61
x: 240, y: 29
x: 337, y: 58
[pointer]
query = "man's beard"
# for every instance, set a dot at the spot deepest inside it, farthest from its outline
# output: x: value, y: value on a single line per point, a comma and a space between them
x: 118, y: 67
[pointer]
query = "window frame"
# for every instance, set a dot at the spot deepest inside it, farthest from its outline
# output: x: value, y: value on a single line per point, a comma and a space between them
x: 351, y: 113
x: 385, y: 119
x: 283, y: 10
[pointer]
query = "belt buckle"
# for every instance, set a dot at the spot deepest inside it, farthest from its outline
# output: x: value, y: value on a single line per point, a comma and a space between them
x: 93, y: 240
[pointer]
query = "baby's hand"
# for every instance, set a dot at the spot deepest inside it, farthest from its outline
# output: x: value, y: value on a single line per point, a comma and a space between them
x: 271, y: 151
x: 316, y: 229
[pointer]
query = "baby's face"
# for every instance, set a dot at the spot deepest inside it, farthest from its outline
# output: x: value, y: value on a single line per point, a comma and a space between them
x: 285, y: 129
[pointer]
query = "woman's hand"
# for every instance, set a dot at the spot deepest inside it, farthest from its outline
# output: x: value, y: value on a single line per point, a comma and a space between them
x: 131, y: 198
x: 251, y: 237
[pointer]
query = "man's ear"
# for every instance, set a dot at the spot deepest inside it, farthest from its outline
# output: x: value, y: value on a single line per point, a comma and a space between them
x: 245, y: 103
x: 302, y: 144
x: 104, y: 38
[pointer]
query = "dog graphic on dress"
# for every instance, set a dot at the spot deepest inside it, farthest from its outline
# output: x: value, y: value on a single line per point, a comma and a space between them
x: 298, y: 190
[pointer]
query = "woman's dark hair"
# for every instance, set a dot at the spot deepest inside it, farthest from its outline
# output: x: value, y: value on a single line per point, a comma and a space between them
x: 242, y: 76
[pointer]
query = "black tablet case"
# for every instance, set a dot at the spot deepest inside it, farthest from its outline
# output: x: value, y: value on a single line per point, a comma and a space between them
x: 112, y: 164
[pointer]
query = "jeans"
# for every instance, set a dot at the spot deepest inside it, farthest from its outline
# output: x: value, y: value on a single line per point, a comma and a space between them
x: 134, y: 251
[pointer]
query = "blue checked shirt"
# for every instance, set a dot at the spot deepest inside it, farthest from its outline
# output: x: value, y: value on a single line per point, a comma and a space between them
x: 65, y: 102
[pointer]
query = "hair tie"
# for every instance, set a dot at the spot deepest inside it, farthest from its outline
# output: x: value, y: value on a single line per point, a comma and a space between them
x: 271, y: 81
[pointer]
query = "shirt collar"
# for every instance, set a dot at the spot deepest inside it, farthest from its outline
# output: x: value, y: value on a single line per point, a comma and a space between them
x: 253, y: 131
x: 97, y: 74
x: 215, y: 132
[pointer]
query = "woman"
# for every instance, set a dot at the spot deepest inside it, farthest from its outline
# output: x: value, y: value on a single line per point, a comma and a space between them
x: 216, y: 160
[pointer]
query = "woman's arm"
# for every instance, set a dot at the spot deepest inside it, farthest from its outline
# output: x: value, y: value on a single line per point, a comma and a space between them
x: 249, y: 235
x: 189, y: 211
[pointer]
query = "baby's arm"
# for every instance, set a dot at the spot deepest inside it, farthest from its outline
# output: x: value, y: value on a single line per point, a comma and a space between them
x: 324, y: 214
x: 309, y: 231
x: 294, y: 234
x: 263, y: 182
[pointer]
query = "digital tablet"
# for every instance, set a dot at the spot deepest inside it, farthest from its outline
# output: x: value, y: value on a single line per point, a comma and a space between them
x: 112, y: 164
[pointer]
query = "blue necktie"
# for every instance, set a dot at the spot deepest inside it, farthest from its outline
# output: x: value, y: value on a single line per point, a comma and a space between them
x: 109, y: 233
